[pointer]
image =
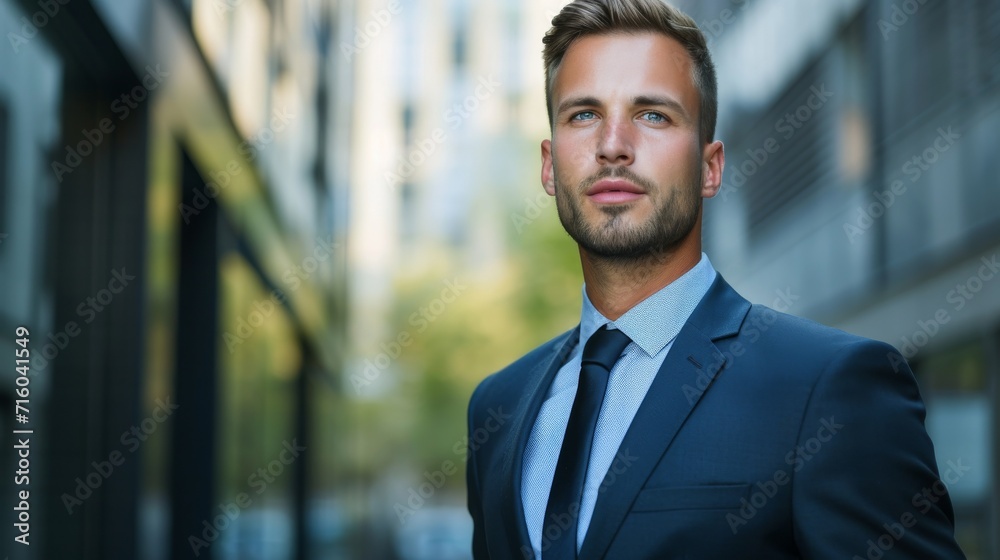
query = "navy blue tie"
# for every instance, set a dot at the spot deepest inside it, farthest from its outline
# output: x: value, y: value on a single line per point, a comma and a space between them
x: 563, y: 509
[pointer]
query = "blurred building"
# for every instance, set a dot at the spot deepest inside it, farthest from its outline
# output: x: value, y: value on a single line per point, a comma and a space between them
x: 172, y: 238
x: 445, y: 154
x: 859, y: 191
x: 442, y: 91
x: 445, y: 102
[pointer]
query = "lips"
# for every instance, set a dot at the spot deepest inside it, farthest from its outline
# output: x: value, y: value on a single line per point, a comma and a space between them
x: 614, y: 191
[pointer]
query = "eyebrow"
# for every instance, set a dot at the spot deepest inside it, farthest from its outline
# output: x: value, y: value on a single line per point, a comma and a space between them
x: 642, y: 100
x: 586, y: 101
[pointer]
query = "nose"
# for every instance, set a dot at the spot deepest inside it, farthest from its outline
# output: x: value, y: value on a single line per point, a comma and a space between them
x: 615, y: 144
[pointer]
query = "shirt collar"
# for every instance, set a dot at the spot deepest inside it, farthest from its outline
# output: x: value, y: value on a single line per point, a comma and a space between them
x: 655, y: 321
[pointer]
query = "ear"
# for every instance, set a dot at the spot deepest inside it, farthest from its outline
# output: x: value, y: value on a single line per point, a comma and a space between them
x: 713, y: 160
x: 548, y: 173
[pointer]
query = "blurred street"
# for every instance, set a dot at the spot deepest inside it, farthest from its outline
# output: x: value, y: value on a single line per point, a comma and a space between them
x: 260, y: 252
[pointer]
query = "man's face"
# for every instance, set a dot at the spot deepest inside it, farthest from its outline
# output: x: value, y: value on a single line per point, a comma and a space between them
x: 626, y: 163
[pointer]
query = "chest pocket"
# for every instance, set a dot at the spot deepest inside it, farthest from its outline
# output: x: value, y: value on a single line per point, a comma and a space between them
x: 722, y: 496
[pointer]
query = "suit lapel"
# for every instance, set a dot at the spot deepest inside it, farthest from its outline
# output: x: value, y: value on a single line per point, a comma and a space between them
x: 687, y: 373
x: 539, y: 380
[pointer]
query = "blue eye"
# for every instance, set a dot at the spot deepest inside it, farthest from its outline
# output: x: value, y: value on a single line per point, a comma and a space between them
x: 577, y: 117
x: 655, y: 117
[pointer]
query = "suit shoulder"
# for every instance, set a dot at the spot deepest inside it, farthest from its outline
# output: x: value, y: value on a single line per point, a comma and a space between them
x: 799, y: 334
x: 793, y: 353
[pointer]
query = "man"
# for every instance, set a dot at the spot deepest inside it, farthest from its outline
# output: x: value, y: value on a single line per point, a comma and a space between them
x: 677, y: 420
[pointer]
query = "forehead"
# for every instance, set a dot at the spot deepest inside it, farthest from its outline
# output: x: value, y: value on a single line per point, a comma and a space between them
x: 624, y: 65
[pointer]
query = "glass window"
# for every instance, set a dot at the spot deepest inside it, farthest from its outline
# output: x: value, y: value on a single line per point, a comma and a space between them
x: 259, y: 364
x: 955, y: 387
x: 30, y: 121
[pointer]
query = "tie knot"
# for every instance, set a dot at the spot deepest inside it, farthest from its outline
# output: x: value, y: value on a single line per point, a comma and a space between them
x: 605, y: 346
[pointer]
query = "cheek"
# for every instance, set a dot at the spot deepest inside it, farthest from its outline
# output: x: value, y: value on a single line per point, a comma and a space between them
x: 678, y: 162
x: 572, y: 152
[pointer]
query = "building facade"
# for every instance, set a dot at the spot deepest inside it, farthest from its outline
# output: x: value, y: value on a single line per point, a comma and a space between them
x: 171, y: 241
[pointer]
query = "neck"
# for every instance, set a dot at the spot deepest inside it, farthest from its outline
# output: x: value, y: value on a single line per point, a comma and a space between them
x: 615, y: 286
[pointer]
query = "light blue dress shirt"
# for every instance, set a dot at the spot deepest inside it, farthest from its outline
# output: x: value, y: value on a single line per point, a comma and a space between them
x: 652, y: 325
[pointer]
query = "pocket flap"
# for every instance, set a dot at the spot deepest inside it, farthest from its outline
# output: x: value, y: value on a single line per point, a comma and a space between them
x: 718, y: 496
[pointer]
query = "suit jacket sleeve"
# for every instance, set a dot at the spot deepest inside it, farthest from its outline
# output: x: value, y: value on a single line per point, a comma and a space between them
x: 864, y: 468
x: 479, y: 551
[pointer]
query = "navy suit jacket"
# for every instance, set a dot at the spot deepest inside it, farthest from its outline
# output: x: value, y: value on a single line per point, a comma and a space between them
x: 762, y: 436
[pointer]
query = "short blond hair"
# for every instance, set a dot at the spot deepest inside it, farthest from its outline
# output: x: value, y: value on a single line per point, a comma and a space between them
x: 581, y: 18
